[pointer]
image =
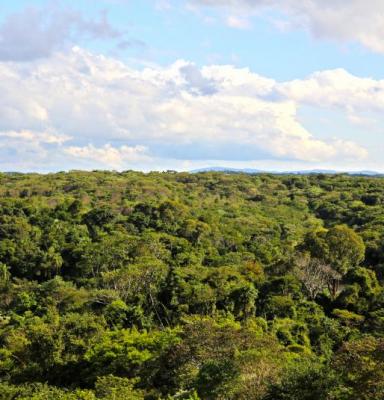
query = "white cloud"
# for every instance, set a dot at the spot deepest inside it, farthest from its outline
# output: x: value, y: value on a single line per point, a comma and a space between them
x: 37, y: 32
x: 163, y: 5
x: 78, y: 109
x: 110, y: 156
x: 27, y: 150
x: 36, y: 137
x: 346, y: 21
x: 338, y: 89
x: 237, y: 22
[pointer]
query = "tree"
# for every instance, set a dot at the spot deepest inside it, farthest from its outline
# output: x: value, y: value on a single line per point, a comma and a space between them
x: 360, y: 365
x: 345, y: 248
x: 339, y: 247
x: 111, y: 387
x: 304, y: 380
x: 217, y: 379
x: 315, y: 274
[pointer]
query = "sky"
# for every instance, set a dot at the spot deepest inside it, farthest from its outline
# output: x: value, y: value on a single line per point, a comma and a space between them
x: 185, y: 84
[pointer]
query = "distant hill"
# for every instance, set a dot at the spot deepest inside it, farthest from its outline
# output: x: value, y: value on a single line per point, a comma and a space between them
x: 299, y: 172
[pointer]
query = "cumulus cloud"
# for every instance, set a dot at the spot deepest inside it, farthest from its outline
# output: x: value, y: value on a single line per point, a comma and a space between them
x: 35, y: 137
x: 37, y: 32
x: 347, y: 21
x: 27, y: 150
x: 110, y: 156
x: 80, y: 109
x: 337, y: 88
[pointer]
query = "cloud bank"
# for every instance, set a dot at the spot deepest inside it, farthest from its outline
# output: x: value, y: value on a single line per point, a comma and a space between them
x: 76, y: 109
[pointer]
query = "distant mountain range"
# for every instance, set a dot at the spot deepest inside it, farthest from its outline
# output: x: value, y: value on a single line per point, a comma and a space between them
x: 302, y: 172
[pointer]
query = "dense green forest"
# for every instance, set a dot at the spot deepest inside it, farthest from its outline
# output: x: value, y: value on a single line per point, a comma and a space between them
x: 191, y: 286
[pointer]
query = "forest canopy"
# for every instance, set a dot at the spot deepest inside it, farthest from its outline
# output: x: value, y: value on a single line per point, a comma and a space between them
x: 191, y: 286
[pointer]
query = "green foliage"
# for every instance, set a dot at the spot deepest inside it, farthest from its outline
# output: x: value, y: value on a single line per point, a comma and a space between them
x: 360, y: 364
x: 348, y: 317
x: 114, y: 388
x: 187, y: 286
x: 306, y: 380
x: 217, y: 379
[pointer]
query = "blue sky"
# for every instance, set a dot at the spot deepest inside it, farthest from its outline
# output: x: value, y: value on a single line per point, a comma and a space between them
x: 124, y: 84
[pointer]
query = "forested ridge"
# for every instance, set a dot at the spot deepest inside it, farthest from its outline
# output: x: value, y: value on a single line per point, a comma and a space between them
x: 191, y: 286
